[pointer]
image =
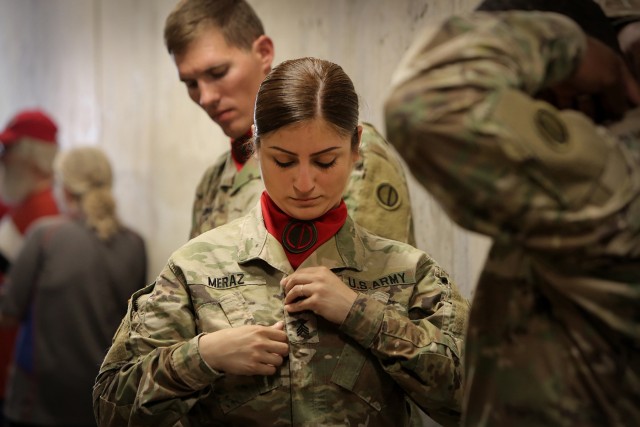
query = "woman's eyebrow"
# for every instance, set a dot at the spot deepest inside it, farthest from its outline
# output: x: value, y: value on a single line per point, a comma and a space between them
x: 326, y: 150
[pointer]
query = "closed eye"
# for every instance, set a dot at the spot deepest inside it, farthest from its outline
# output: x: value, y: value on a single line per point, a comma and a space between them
x: 191, y: 84
x: 218, y: 72
x: 283, y: 165
x: 326, y: 165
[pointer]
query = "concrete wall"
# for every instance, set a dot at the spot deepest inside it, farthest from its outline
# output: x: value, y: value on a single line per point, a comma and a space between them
x: 100, y: 68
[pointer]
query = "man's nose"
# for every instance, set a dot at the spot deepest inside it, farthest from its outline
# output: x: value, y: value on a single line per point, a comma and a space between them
x: 209, y: 95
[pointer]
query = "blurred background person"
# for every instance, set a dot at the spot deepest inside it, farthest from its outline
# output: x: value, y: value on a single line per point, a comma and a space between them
x: 29, y: 145
x: 68, y: 289
x: 505, y: 115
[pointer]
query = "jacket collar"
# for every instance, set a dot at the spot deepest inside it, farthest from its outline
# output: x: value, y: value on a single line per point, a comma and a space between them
x: 234, y: 179
x: 344, y: 251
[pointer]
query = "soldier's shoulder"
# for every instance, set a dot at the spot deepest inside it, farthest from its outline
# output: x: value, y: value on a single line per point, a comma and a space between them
x: 377, y: 243
x: 219, y: 234
x: 217, y: 167
x: 371, y: 138
x: 373, y: 143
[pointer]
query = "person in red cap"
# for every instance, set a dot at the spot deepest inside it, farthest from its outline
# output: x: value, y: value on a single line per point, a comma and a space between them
x: 28, y: 147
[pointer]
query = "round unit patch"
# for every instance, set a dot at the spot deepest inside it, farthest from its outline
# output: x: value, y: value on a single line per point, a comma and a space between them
x: 299, y: 236
x: 387, y: 196
x: 552, y: 130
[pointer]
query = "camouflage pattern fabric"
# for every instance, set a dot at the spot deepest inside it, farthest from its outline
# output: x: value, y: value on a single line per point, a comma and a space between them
x: 402, y: 337
x: 225, y: 194
x: 554, y: 329
x: 377, y: 195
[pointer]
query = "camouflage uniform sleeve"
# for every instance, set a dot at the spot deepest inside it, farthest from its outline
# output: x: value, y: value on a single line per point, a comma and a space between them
x: 205, y: 192
x: 421, y: 350
x: 377, y: 195
x: 153, y: 373
x: 502, y: 163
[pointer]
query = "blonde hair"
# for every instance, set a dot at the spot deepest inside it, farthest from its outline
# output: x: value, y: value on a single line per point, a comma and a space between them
x: 85, y: 172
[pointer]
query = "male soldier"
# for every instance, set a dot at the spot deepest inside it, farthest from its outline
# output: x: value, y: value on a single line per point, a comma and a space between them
x: 28, y: 148
x: 554, y: 331
x: 222, y: 55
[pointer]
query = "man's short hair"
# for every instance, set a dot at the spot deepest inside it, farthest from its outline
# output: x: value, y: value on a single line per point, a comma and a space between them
x: 236, y: 20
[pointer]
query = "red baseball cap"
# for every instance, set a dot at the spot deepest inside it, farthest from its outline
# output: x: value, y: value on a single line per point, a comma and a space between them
x: 30, y: 123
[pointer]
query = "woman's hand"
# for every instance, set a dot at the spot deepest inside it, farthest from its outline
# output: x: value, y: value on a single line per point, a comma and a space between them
x: 319, y: 290
x: 246, y: 350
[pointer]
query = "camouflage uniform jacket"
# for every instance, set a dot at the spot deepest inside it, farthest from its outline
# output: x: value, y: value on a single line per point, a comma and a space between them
x: 402, y: 337
x: 554, y: 329
x: 377, y: 194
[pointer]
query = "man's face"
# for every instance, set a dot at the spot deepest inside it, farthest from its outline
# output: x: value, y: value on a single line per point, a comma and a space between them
x: 224, y: 79
x: 17, y: 178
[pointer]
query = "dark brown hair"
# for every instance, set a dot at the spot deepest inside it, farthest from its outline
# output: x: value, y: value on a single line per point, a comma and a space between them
x: 236, y: 20
x: 302, y: 89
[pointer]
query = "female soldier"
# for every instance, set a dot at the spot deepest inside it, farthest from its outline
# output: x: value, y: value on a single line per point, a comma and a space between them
x: 291, y: 315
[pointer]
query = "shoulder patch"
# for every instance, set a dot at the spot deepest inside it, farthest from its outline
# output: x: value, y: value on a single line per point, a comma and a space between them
x: 552, y: 130
x: 388, y: 197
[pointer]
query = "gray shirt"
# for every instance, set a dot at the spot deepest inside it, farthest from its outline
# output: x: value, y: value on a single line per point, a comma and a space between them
x: 69, y: 289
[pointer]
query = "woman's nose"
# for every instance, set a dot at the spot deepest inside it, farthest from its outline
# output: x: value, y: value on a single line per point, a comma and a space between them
x: 304, y: 181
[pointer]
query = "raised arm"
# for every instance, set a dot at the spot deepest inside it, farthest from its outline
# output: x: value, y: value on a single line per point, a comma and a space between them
x: 463, y: 114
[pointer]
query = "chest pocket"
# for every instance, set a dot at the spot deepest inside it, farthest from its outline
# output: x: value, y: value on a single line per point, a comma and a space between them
x: 227, y: 310
x: 235, y: 308
x: 230, y: 308
x: 233, y: 391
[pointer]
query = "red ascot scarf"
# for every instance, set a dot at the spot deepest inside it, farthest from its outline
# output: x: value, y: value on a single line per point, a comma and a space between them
x: 300, y: 238
x: 241, y: 149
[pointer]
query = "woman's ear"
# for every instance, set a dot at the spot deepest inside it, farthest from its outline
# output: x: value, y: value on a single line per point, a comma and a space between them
x: 356, y: 149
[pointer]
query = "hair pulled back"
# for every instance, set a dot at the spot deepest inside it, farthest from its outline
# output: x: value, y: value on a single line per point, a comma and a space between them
x: 86, y: 173
x: 303, y: 89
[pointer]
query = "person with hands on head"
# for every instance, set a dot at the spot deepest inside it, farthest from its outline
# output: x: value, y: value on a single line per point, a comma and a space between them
x: 292, y: 314
x: 509, y: 117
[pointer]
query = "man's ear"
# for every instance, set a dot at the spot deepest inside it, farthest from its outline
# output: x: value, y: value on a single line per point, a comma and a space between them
x: 264, y: 49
